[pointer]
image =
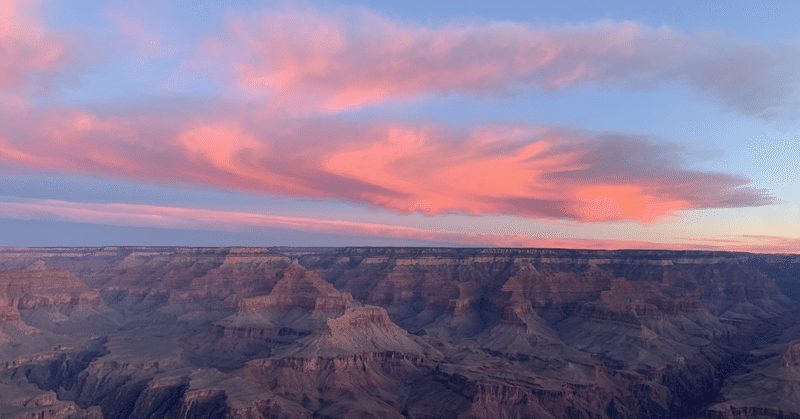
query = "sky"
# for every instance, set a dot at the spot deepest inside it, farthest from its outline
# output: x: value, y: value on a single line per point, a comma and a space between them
x: 571, y: 124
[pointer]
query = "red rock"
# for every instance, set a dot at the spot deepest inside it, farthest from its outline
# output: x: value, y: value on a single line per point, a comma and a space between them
x: 398, y: 332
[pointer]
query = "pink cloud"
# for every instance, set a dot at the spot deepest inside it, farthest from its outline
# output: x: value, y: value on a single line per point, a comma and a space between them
x: 35, y: 57
x: 27, y: 49
x: 534, y: 172
x: 748, y: 243
x: 307, y: 60
x: 191, y: 218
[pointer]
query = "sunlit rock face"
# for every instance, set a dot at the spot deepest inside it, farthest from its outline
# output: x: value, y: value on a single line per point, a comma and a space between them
x: 160, y: 332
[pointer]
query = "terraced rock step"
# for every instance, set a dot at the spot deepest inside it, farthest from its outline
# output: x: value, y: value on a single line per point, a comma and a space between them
x: 160, y: 332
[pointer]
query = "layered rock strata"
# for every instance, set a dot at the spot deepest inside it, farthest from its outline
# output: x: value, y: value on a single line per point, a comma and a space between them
x: 134, y: 332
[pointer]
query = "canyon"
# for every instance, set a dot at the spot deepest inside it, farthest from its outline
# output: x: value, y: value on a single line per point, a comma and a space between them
x: 374, y: 332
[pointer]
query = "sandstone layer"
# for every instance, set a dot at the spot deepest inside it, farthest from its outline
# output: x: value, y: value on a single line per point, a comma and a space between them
x: 160, y: 332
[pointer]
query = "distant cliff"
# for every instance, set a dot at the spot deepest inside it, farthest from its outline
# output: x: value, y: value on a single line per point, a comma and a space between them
x: 163, y: 332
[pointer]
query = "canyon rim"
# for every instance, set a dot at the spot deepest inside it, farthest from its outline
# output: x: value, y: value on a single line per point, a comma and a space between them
x: 390, y: 332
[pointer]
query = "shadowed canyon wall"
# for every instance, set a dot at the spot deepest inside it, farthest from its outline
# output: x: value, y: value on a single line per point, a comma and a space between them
x: 163, y: 332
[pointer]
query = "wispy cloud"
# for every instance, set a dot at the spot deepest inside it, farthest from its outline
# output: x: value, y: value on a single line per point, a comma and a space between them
x: 308, y: 60
x: 37, y: 59
x: 529, y: 171
x: 747, y: 243
x: 28, y: 50
x: 203, y: 219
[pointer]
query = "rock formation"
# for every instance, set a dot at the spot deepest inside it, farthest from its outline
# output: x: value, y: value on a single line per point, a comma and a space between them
x: 159, y: 332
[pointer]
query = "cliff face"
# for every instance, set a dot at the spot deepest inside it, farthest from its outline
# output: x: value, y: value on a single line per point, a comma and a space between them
x: 397, y: 332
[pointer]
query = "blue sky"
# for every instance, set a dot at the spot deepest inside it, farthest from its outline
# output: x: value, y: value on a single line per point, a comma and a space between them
x: 570, y: 124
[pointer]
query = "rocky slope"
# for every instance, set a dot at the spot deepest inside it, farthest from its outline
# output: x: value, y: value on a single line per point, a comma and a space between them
x: 158, y: 332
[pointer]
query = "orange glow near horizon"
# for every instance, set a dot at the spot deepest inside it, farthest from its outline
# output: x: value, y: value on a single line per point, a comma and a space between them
x: 191, y: 218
